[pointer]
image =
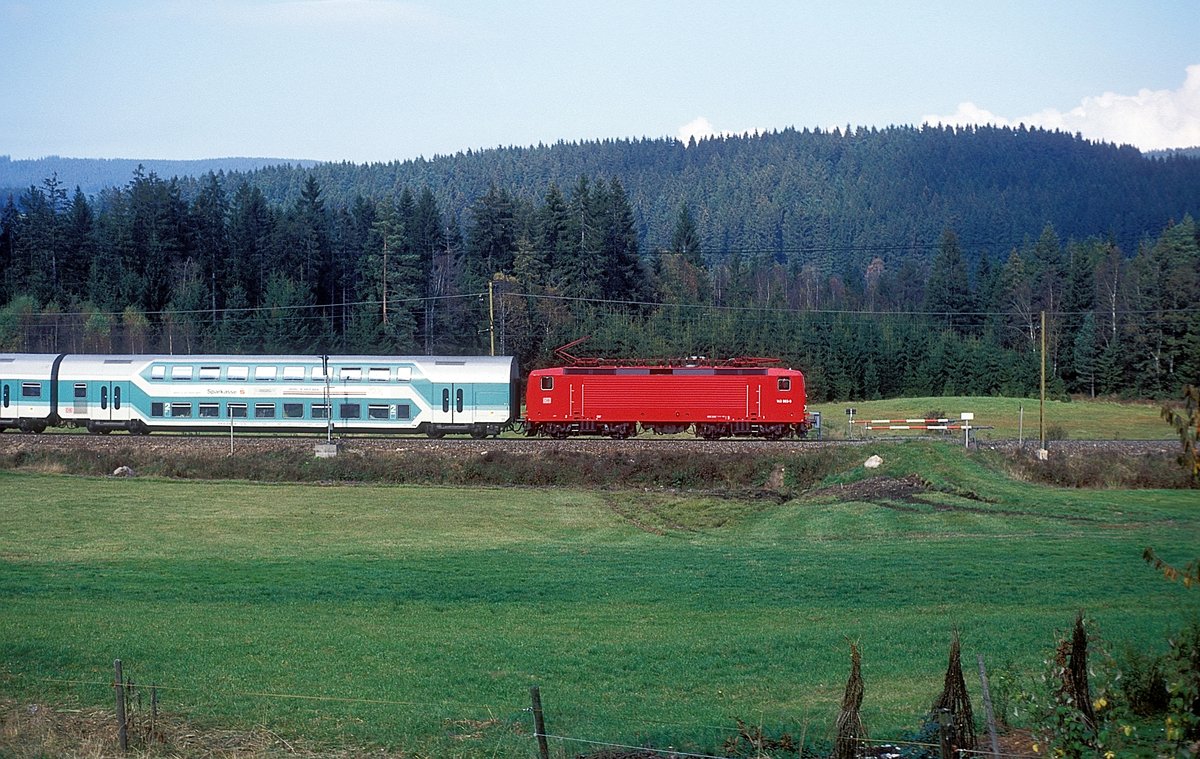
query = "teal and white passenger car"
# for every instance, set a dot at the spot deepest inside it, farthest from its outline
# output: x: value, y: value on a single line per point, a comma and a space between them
x: 434, y: 395
x: 26, y: 392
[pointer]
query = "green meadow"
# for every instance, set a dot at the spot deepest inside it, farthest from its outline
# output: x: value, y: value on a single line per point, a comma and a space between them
x: 417, y: 618
x: 1009, y: 418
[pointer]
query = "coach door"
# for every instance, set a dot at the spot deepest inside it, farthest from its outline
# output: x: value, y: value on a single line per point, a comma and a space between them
x: 111, y: 401
x: 450, y: 403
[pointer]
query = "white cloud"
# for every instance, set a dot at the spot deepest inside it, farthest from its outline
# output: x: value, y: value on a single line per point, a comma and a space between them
x: 697, y: 128
x: 701, y: 128
x: 1150, y: 120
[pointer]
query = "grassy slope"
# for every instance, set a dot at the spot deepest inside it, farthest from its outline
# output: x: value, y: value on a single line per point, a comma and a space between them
x: 454, y: 601
x: 1081, y: 420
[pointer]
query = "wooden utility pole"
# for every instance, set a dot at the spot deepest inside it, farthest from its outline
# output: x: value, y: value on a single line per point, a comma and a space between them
x: 385, y: 278
x: 1042, y: 404
x: 492, y: 313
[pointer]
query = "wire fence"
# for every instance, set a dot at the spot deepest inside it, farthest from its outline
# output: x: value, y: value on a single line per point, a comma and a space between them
x: 142, y: 719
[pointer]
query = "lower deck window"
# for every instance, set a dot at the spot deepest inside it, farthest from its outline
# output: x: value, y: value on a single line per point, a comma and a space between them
x: 183, y: 410
x: 264, y: 411
x: 156, y: 408
x: 403, y: 411
x: 31, y: 390
x: 378, y: 412
x: 350, y: 411
x: 293, y: 411
x: 320, y: 411
x: 210, y: 410
x: 236, y: 410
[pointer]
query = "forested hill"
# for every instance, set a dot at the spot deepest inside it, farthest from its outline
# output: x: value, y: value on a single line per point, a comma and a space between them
x: 833, y: 199
x: 826, y: 195
x: 902, y: 261
x: 94, y: 174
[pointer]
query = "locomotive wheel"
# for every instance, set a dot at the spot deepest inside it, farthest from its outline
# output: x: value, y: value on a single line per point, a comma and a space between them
x: 557, y: 431
x: 774, y: 431
x: 620, y: 431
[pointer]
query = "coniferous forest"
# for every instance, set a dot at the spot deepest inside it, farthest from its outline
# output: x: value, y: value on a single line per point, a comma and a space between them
x: 881, y: 262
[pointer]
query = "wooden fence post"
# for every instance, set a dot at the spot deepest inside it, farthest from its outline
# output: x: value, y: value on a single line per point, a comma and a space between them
x: 539, y: 723
x: 987, y: 708
x: 122, y: 725
x: 945, y: 725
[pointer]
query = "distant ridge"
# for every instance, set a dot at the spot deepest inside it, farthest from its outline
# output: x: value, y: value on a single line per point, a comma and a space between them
x: 94, y: 174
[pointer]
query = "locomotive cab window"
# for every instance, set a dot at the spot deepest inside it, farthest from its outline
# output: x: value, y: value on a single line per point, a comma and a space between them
x: 785, y: 384
x: 547, y: 383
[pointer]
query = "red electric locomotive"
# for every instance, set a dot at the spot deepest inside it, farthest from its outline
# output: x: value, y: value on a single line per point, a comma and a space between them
x: 748, y: 397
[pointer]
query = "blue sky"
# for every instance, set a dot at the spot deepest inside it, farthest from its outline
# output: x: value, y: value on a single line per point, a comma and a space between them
x: 376, y: 80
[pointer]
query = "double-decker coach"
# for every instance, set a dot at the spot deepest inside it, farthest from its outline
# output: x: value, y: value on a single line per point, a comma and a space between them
x: 434, y: 395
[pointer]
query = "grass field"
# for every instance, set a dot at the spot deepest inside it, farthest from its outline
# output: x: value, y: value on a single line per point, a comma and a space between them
x: 417, y: 618
x: 1079, y: 420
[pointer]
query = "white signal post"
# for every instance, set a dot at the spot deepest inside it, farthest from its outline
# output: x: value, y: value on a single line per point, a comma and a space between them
x: 966, y: 418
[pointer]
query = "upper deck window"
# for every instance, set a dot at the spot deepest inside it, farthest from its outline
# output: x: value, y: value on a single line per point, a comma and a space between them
x: 237, y: 373
x: 379, y: 374
x: 181, y: 373
x: 293, y: 374
x: 350, y: 374
x: 158, y: 371
x: 265, y: 373
x: 210, y: 373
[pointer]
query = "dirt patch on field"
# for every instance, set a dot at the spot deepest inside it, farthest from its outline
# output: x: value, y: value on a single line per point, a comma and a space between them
x: 892, y: 492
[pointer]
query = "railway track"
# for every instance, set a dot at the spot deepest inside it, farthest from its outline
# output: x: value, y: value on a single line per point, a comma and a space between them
x: 49, y: 441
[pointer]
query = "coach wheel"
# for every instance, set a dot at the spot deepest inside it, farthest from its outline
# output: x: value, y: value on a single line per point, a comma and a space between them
x: 435, y: 433
x: 479, y: 432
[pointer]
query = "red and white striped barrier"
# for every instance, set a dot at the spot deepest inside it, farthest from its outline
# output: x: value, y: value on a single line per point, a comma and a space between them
x: 872, y: 426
